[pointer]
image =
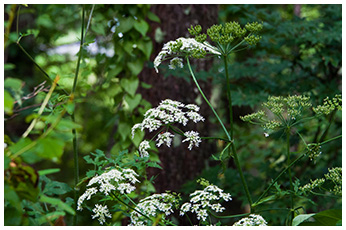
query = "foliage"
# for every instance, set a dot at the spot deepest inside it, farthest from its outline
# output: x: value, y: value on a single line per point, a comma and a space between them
x: 89, y: 101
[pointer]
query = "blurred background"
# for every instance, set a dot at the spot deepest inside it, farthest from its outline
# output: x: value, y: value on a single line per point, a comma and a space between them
x: 300, y: 53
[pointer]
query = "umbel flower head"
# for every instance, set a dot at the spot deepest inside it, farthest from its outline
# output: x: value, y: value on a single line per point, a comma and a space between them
x: 287, y: 110
x: 205, y: 200
x: 119, y: 180
x: 252, y: 220
x: 182, y: 47
x: 152, y: 206
x: 169, y: 112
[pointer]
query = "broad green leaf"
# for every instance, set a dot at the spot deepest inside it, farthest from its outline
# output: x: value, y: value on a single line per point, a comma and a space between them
x: 124, y: 129
x: 49, y: 148
x: 130, y: 85
x: 301, y: 218
x: 56, y: 188
x: 23, y: 142
x: 153, y: 17
x: 135, y: 66
x: 132, y: 102
x: 57, y: 202
x: 125, y: 24
x: 8, y: 102
x: 51, y: 216
x: 138, y: 137
x: 114, y: 71
x: 141, y: 26
x: 328, y: 217
x: 146, y: 47
x: 13, y: 83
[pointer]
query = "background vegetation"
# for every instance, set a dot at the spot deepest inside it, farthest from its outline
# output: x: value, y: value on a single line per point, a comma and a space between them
x: 300, y: 53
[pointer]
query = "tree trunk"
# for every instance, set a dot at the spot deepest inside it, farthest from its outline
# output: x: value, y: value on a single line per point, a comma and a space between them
x: 179, y: 164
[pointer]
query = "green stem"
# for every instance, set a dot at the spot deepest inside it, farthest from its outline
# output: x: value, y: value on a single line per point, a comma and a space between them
x: 39, y: 67
x: 74, y: 131
x: 235, y: 155
x: 280, y: 174
x: 229, y: 96
x: 45, y: 102
x: 289, y: 169
x: 226, y: 132
x: 207, y: 101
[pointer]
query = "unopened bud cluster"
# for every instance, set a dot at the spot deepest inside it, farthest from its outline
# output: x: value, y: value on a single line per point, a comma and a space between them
x: 225, y: 34
x: 329, y: 105
x: 334, y: 175
x: 287, y: 108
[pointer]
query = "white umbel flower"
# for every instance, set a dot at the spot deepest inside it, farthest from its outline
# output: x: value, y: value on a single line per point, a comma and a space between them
x: 164, y: 138
x: 143, y: 146
x: 115, y: 180
x: 101, y: 212
x: 252, y: 220
x: 151, y: 206
x: 203, y: 200
x: 189, y: 45
x: 193, y: 138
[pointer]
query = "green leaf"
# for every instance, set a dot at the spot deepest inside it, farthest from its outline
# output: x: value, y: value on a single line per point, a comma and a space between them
x: 132, y: 102
x: 49, y: 148
x: 57, y: 202
x: 264, y: 200
x: 48, y: 171
x: 125, y: 129
x: 8, y: 102
x: 301, y: 218
x: 141, y: 26
x: 328, y: 217
x: 13, y: 83
x: 146, y: 48
x: 153, y: 17
x: 135, y: 66
x: 130, y: 85
x: 9, y: 66
x: 55, y: 187
x: 125, y: 24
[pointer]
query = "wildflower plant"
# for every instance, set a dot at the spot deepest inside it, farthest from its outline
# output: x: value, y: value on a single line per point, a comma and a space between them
x: 163, y: 119
x: 202, y: 202
x: 170, y: 118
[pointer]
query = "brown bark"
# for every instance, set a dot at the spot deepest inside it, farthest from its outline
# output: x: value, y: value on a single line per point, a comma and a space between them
x: 179, y: 164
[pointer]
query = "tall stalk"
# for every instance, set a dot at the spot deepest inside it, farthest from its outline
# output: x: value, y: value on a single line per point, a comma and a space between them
x: 289, y: 171
x: 229, y: 137
x: 235, y: 155
x: 74, y: 131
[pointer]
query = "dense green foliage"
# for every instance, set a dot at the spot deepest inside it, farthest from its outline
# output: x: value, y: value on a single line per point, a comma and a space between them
x: 89, y: 102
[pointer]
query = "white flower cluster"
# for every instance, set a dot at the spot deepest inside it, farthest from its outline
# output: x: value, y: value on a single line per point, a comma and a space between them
x: 203, y: 200
x: 101, y: 212
x: 151, y: 206
x: 193, y: 138
x: 121, y: 180
x: 252, y: 220
x: 166, y: 113
x: 188, y: 46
